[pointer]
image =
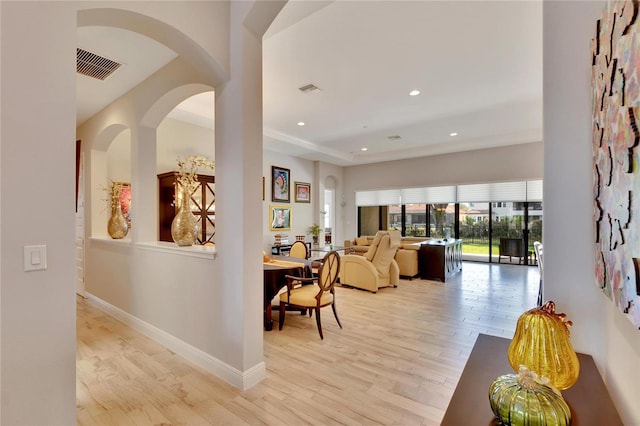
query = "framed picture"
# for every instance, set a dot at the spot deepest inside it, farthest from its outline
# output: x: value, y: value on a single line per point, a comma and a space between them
x: 125, y: 200
x: 303, y: 192
x: 280, y: 187
x: 280, y: 218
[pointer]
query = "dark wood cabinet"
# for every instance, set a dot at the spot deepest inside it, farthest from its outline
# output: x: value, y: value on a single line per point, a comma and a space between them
x: 440, y: 259
x: 512, y: 247
x: 202, y: 206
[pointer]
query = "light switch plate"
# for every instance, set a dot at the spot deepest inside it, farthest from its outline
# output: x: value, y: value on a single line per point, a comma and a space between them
x: 35, y: 258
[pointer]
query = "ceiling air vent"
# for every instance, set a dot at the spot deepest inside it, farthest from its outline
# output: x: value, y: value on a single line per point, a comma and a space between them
x: 394, y: 137
x: 93, y: 65
x: 309, y: 88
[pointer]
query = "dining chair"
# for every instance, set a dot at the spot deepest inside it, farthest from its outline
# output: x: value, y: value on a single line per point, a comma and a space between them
x: 539, y: 250
x: 319, y: 293
x: 300, y: 250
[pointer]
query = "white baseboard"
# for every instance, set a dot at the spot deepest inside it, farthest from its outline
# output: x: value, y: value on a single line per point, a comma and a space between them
x: 239, y: 379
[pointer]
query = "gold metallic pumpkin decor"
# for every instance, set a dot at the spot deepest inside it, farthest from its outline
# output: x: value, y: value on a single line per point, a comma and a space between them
x: 520, y: 399
x: 541, y: 343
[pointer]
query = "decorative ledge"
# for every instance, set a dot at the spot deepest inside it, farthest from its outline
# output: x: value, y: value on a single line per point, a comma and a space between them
x: 125, y: 242
x: 203, y: 252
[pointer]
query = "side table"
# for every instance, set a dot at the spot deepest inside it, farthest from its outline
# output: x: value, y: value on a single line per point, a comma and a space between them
x: 588, y: 398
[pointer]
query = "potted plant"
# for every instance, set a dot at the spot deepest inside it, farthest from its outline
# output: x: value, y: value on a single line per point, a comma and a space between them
x: 314, y: 230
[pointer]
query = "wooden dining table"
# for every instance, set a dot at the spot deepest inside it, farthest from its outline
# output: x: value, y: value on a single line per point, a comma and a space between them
x: 275, y: 272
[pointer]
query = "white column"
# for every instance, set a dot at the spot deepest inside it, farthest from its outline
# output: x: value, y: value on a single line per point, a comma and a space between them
x: 144, y: 188
x: 96, y: 224
x: 239, y: 195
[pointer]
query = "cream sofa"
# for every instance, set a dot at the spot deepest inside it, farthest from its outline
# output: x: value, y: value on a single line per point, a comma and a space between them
x: 374, y: 269
x: 406, y: 256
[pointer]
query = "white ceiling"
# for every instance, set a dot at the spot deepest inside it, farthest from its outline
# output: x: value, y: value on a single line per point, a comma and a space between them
x: 477, y: 64
x: 139, y: 55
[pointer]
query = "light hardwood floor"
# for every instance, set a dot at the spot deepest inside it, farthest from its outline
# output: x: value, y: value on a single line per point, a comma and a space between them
x: 396, y: 362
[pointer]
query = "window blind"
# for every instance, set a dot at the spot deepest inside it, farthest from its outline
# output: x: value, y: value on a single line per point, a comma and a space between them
x: 385, y: 197
x: 534, y: 190
x: 488, y: 192
x: 388, y: 197
x: 474, y: 193
x: 366, y: 198
x: 478, y: 193
x: 429, y: 195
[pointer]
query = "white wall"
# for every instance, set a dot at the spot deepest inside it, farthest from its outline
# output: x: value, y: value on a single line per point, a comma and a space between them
x: 206, y: 23
x: 218, y: 311
x: 517, y: 162
x: 599, y: 328
x: 175, y: 139
x: 119, y: 159
x: 323, y: 173
x: 303, y: 215
x: 37, y: 324
x: 171, y: 290
x: 180, y: 139
x: 37, y: 315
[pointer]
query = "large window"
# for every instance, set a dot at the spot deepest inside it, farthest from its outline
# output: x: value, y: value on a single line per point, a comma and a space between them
x: 480, y: 214
x: 416, y: 220
x: 394, y: 217
x: 442, y: 220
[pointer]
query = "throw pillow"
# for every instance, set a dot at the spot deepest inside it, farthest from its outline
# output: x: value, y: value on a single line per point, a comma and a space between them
x: 362, y: 241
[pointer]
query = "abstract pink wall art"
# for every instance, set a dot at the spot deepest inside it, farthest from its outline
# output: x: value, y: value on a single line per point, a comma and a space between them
x: 616, y: 154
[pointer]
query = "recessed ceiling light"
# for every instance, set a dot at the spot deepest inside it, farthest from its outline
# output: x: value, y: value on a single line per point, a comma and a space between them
x: 414, y: 93
x: 363, y: 149
x: 300, y: 123
x: 453, y: 134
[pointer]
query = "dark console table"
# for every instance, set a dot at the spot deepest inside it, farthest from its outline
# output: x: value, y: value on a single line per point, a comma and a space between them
x: 588, y: 398
x: 440, y: 259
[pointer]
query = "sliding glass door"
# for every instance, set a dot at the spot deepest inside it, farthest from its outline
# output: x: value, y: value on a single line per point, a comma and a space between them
x: 474, y: 230
x: 442, y: 220
x: 416, y: 220
x: 493, y: 228
x: 507, y: 237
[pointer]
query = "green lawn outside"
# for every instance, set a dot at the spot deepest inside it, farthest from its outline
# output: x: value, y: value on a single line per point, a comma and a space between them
x: 478, y: 248
x: 481, y: 248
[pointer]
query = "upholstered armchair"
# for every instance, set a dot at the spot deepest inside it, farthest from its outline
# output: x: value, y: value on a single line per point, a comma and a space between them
x: 376, y: 268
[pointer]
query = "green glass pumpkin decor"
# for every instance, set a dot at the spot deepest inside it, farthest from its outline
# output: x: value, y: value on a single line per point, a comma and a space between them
x: 541, y: 343
x: 521, y: 400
